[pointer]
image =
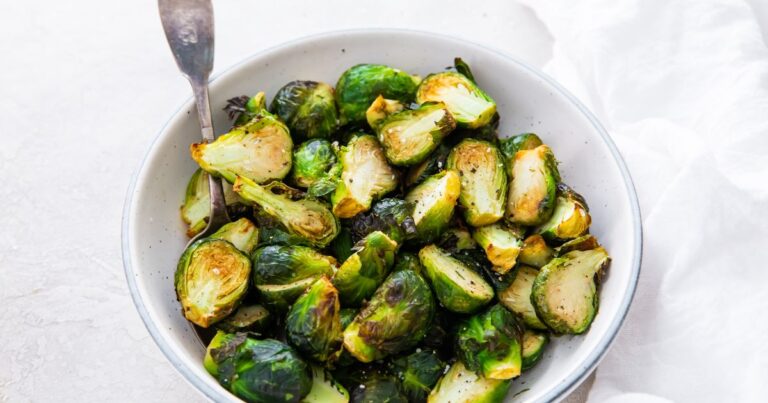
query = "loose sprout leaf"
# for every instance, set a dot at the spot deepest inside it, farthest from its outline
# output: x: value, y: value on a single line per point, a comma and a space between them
x: 390, y: 216
x: 462, y: 67
x: 247, y: 318
x: 381, y: 108
x: 517, y: 297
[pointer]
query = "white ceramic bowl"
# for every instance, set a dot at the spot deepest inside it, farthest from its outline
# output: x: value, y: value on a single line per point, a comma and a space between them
x: 153, y: 234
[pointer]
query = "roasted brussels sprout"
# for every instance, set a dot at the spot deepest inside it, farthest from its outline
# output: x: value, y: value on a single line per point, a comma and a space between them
x: 409, y: 136
x: 314, y: 161
x: 433, y: 164
x: 395, y: 319
x: 501, y: 246
x: 585, y: 242
x: 490, y: 343
x: 211, y: 279
x: 259, y: 150
x: 469, y: 105
x: 533, y: 347
x: 247, y: 318
x: 517, y: 297
x: 510, y: 146
x: 533, y: 186
x: 535, y: 251
x: 434, y: 201
x: 461, y: 385
x: 365, y: 176
x: 564, y: 292
x: 308, y: 219
x: 380, y: 109
x: 456, y: 285
x: 313, y: 324
x: 390, y: 216
x: 359, y: 86
x: 282, y: 273
x: 381, y: 389
x: 258, y: 370
x: 570, y: 218
x: 418, y: 373
x: 307, y: 107
x: 457, y: 239
x: 325, y: 389
x: 241, y: 233
x: 197, y: 203
x: 360, y: 275
x: 243, y: 109
x: 483, y: 181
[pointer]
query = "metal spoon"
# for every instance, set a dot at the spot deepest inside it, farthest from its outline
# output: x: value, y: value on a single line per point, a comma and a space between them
x: 188, y: 26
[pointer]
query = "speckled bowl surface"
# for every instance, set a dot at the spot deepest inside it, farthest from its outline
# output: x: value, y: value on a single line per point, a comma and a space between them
x: 154, y: 235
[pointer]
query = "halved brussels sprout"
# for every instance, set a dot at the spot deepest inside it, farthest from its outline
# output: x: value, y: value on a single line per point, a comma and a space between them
x: 434, y: 201
x: 535, y: 251
x: 517, y: 297
x: 313, y: 324
x: 243, y: 109
x: 469, y: 105
x: 359, y: 86
x: 483, y: 181
x: 461, y: 385
x: 533, y: 186
x: 282, y: 273
x: 418, y: 373
x: 258, y: 370
x: 390, y: 216
x: 564, y: 292
x: 259, y: 150
x: 380, y: 389
x: 211, y: 279
x: 312, y: 161
x: 307, y: 107
x: 457, y: 239
x: 433, y: 164
x: 409, y: 136
x: 197, y: 202
x: 395, y: 319
x: 491, y: 343
x: 241, y: 233
x: 457, y: 287
x: 325, y: 389
x: 501, y: 246
x: 380, y: 109
x: 247, y: 318
x: 365, y: 176
x: 585, y: 242
x: 308, y: 219
x: 533, y: 347
x: 570, y: 218
x: 360, y: 275
x: 510, y: 146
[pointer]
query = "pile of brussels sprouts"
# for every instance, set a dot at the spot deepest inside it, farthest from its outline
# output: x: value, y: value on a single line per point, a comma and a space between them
x: 387, y: 245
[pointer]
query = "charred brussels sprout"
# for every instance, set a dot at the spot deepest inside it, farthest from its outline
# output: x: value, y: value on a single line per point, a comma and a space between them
x: 434, y: 201
x: 307, y: 107
x: 586, y: 242
x: 510, y: 146
x: 533, y: 347
x: 535, y: 251
x: 307, y: 219
x: 390, y: 216
x: 360, y: 275
x: 517, y: 297
x: 247, y: 318
x: 433, y: 164
x: 483, y: 181
x: 211, y: 279
x: 491, y: 343
x: 501, y: 246
x: 197, y: 202
x: 382, y: 389
x: 533, y: 187
x: 564, y: 292
x: 359, y: 86
x: 570, y: 218
x: 395, y: 320
x: 282, y: 273
x: 380, y: 109
x: 241, y: 233
x: 409, y: 136
x: 258, y: 370
x: 469, y: 105
x: 313, y: 161
x: 325, y: 389
x: 259, y: 150
x: 457, y: 287
x: 461, y: 385
x: 418, y: 373
x: 313, y: 324
x: 243, y: 109
x: 365, y: 176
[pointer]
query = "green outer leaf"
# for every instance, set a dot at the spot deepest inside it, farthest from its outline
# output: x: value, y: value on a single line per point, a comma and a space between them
x: 418, y: 373
x: 307, y: 107
x: 359, y: 86
x: 312, y: 161
x: 510, y: 146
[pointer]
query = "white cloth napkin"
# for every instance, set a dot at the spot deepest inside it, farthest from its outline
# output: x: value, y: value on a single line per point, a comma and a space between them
x: 682, y: 87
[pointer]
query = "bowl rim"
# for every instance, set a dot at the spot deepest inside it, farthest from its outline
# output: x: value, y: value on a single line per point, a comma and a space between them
x: 568, y: 384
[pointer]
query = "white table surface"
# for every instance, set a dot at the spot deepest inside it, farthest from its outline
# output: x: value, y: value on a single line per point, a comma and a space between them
x: 84, y: 88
